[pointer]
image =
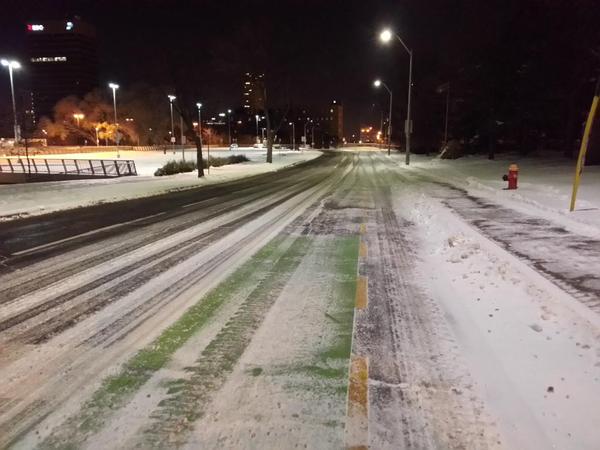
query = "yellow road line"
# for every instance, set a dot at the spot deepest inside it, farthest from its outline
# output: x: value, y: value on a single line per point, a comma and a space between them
x: 357, y: 424
x: 361, y: 299
x: 362, y: 251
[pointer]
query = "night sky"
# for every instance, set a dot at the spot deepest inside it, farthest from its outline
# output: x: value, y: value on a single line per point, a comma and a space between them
x: 312, y: 51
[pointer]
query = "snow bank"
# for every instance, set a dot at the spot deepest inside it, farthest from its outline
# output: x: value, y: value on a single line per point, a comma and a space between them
x: 533, y: 348
x: 544, y: 185
x: 19, y: 200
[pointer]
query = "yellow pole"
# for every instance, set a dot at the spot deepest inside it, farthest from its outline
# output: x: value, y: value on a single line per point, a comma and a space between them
x: 584, y: 145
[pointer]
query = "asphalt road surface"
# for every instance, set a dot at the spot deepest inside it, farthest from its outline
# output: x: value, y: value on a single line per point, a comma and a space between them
x: 279, y: 311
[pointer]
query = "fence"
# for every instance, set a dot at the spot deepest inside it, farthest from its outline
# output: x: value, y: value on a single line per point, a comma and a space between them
x: 101, y: 168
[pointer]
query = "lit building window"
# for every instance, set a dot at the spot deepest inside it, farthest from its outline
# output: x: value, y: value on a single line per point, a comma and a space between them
x: 49, y: 59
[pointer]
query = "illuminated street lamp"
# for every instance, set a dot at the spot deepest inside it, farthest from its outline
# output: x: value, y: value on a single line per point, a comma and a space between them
x: 171, y: 98
x: 229, y: 126
x: 293, y: 135
x: 78, y: 117
x: 257, y: 117
x: 114, y: 88
x: 386, y: 36
x: 377, y: 83
x: 199, y: 106
x: 308, y: 120
x: 13, y: 65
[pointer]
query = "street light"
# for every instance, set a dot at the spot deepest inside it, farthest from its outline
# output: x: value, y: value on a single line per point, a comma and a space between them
x: 199, y: 106
x: 308, y: 120
x: 386, y: 36
x: 171, y: 98
x: 257, y: 117
x: 293, y: 124
x: 114, y: 88
x: 13, y: 65
x: 377, y: 83
x: 78, y: 117
x: 229, y: 126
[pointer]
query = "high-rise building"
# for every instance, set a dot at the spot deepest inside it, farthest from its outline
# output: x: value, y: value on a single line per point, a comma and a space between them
x: 62, y: 61
x: 253, y: 91
x: 336, y: 120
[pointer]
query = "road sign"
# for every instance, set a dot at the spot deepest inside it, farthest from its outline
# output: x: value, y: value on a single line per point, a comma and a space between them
x: 172, y: 139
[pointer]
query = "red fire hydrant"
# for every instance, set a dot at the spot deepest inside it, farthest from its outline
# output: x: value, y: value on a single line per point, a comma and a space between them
x: 512, y: 177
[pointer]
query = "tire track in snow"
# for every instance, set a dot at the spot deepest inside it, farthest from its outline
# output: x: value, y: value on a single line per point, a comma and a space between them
x: 411, y: 401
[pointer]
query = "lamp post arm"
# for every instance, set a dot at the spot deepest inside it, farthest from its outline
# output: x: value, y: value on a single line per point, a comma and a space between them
x: 404, y: 45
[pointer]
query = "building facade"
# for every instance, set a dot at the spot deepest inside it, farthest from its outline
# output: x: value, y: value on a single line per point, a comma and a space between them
x: 62, y: 61
x: 253, y: 93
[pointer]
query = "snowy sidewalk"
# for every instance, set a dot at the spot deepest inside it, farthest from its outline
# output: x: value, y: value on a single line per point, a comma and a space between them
x: 544, y: 185
x: 20, y: 200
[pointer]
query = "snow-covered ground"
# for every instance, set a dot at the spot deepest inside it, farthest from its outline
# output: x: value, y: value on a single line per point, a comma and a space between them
x: 532, y: 349
x: 19, y: 200
x: 545, y: 185
x: 470, y: 342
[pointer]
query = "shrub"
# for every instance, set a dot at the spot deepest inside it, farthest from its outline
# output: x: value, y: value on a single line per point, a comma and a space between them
x: 173, y: 167
x: 218, y: 162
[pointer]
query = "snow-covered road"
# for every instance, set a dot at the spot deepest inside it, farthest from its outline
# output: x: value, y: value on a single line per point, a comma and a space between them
x: 347, y: 303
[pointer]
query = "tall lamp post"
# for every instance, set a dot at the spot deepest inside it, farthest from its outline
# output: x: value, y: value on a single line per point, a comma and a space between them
x: 386, y: 36
x: 199, y: 106
x: 308, y: 120
x: 229, y: 126
x: 171, y: 98
x: 257, y: 117
x: 114, y: 88
x: 293, y: 135
x: 377, y: 83
x: 13, y: 65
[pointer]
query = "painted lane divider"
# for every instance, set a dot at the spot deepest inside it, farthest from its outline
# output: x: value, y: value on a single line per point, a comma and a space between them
x: 361, y: 292
x: 362, y: 251
x: 357, y: 425
x: 357, y: 418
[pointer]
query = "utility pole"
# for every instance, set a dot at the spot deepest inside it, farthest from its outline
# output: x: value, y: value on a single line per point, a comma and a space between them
x: 408, y: 121
x: 181, y: 137
x: 229, y: 126
x: 293, y: 124
x: 171, y: 98
x: 199, y: 152
x: 447, y: 110
x: 114, y: 88
x: 256, y: 117
x: 381, y: 130
x: 13, y: 65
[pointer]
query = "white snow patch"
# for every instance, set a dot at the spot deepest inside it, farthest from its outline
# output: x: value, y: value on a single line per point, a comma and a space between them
x: 534, y: 349
x: 40, y: 198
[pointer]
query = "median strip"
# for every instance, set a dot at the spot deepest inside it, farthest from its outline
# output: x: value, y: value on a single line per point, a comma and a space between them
x: 116, y: 390
x: 357, y: 417
x: 188, y: 397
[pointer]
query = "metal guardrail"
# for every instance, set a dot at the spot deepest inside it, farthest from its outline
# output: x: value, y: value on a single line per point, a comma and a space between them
x: 82, y: 167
